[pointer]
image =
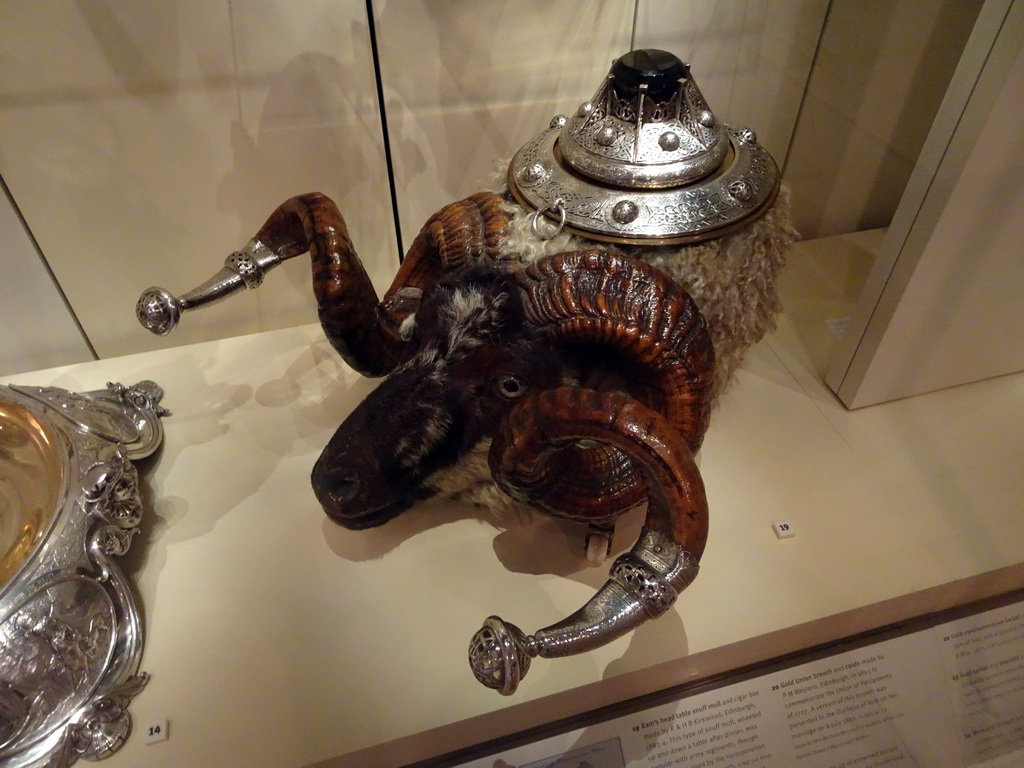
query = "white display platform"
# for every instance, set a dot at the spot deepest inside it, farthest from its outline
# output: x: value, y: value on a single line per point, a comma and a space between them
x: 276, y: 639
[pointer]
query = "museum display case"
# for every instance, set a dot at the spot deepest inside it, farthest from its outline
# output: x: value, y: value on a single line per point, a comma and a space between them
x: 874, y: 553
x: 276, y: 638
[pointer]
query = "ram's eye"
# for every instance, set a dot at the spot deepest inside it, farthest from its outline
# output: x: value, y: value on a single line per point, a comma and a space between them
x: 510, y: 387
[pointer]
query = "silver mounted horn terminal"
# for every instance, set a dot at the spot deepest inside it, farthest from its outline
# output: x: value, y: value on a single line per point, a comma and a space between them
x: 643, y: 584
x: 159, y: 311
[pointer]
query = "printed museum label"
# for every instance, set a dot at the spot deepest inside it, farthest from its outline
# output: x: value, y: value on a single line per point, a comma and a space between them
x: 947, y: 697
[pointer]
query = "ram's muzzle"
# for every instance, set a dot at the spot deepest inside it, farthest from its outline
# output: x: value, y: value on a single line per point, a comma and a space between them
x: 374, y: 466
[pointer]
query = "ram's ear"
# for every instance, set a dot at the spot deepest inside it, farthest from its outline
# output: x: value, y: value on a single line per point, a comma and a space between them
x: 644, y: 582
x: 399, y: 310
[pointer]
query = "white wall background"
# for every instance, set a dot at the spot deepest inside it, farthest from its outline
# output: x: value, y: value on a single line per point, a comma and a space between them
x: 143, y: 142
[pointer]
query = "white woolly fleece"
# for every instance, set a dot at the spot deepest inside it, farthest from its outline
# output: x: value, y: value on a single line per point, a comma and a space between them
x: 732, y: 278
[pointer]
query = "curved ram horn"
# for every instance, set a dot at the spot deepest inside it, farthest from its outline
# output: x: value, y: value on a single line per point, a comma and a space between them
x: 644, y: 582
x: 634, y: 312
x: 366, y: 333
x: 466, y: 233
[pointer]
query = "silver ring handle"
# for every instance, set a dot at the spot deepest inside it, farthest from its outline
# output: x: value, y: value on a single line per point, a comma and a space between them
x: 556, y: 207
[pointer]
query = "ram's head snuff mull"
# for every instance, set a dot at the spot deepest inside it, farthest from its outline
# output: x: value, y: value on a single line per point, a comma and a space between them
x: 548, y: 370
x: 586, y: 375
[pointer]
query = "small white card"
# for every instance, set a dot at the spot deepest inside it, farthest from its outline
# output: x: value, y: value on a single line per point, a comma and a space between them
x: 783, y: 530
x: 157, y: 731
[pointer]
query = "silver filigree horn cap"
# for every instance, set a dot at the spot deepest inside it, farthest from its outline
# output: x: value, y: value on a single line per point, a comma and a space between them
x: 645, y: 161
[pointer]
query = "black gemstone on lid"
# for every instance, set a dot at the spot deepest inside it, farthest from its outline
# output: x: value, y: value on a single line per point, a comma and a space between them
x: 660, y: 70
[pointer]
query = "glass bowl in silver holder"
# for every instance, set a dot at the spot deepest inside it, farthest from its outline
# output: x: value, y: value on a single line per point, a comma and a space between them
x: 70, y: 631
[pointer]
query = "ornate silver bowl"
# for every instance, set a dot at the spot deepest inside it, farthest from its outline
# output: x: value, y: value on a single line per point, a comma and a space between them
x: 70, y: 632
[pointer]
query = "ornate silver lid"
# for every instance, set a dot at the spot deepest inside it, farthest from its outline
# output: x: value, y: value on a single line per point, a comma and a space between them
x: 645, y: 161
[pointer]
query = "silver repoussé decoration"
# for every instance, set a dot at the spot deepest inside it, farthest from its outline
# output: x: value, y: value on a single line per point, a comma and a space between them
x: 645, y: 161
x: 70, y: 632
x: 643, y: 584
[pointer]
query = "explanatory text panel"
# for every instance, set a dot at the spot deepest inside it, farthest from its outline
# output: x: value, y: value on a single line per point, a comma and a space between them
x: 947, y: 697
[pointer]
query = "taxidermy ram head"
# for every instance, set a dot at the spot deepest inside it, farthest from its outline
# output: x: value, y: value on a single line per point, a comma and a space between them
x: 584, y: 377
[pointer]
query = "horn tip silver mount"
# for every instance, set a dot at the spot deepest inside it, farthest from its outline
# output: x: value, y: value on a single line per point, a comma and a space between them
x: 158, y: 311
x: 500, y: 654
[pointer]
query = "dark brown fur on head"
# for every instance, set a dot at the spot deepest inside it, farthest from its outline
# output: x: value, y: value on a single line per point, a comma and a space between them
x: 472, y: 356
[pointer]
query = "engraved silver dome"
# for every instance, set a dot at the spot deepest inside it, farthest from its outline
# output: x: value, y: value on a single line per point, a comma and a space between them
x: 645, y: 161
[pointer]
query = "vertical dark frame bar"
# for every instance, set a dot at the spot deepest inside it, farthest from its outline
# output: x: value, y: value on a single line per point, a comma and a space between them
x: 5, y: 192
x: 371, y: 24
